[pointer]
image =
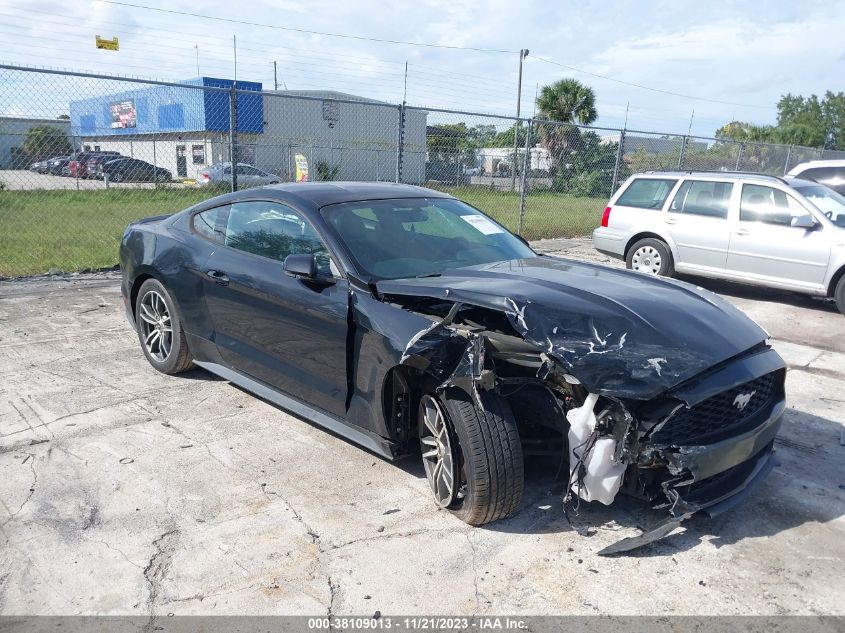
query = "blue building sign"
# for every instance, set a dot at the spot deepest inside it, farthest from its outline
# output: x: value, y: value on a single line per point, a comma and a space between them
x: 173, y: 109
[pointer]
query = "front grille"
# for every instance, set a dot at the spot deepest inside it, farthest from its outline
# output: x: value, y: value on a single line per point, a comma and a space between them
x: 719, y: 416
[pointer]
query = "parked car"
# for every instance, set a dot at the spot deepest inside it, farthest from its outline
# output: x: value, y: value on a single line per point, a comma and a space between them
x: 38, y: 166
x: 132, y: 170
x: 56, y: 165
x: 406, y: 320
x: 830, y: 173
x: 784, y: 233
x: 248, y: 176
x: 78, y: 164
x: 92, y: 165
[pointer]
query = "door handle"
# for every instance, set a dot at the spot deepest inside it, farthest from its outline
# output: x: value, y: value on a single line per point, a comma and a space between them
x: 218, y: 277
x: 741, y: 231
x: 670, y: 221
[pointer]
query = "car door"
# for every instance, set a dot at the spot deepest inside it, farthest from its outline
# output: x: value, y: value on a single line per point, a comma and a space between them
x: 697, y: 220
x: 286, y: 332
x: 764, y: 246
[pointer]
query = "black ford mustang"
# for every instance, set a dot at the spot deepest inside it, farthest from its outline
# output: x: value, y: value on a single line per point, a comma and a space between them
x: 398, y: 317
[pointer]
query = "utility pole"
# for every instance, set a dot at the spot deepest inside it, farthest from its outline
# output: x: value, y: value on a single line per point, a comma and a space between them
x: 275, y: 77
x: 197, y: 48
x: 523, y: 53
x: 235, y: 52
x: 405, y: 89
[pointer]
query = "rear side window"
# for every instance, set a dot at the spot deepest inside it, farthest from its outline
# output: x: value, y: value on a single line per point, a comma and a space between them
x: 211, y: 224
x: 702, y: 197
x: 646, y: 193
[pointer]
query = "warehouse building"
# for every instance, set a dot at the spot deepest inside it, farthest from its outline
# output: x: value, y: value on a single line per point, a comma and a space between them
x: 13, y: 134
x: 185, y: 128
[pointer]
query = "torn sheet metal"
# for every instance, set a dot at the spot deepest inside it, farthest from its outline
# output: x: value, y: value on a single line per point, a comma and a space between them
x: 454, y: 357
x: 631, y: 336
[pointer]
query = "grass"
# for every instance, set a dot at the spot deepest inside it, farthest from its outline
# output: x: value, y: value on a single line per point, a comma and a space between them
x: 546, y: 214
x: 43, y: 231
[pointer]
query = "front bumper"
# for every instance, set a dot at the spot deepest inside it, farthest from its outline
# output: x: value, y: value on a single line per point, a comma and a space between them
x: 709, y: 497
x: 712, y: 478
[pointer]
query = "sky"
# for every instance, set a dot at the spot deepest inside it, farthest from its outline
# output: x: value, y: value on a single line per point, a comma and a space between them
x: 719, y: 60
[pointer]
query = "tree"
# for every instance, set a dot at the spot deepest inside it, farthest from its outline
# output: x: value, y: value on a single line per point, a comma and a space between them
x: 566, y: 101
x: 743, y: 131
x: 451, y: 146
x: 505, y: 137
x: 45, y: 141
x: 590, y: 170
x: 808, y: 121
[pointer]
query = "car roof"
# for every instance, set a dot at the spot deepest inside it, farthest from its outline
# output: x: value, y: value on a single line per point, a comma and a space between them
x: 817, y: 163
x: 321, y: 194
x: 788, y: 180
x: 715, y: 174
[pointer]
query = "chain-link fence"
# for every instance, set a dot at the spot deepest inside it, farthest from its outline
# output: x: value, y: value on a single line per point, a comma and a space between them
x: 82, y: 155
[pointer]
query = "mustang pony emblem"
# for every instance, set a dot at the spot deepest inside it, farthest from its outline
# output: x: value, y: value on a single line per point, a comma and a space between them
x: 742, y: 400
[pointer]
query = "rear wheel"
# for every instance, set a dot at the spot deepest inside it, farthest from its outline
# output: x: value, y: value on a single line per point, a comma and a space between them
x: 651, y: 256
x: 472, y: 455
x: 839, y: 294
x: 160, y: 329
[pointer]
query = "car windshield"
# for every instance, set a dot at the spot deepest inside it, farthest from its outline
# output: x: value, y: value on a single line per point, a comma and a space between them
x: 827, y: 201
x: 418, y: 237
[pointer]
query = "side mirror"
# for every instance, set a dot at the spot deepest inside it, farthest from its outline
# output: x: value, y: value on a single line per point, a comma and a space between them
x: 301, y: 266
x: 804, y: 222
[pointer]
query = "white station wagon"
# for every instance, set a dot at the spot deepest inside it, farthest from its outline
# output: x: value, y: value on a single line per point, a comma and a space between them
x: 783, y: 233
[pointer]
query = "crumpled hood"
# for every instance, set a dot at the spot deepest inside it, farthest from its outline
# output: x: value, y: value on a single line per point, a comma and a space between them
x: 620, y: 333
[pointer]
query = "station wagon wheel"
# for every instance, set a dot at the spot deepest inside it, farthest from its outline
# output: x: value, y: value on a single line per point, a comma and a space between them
x: 647, y: 259
x: 160, y: 329
x: 156, y: 326
x: 650, y: 256
x: 439, y: 458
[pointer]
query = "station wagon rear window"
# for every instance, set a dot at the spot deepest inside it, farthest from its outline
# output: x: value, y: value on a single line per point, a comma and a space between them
x: 646, y: 193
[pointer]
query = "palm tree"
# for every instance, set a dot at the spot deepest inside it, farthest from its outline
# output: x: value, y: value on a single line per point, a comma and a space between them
x: 566, y: 101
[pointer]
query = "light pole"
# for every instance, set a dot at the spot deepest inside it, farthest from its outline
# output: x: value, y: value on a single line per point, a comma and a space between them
x: 523, y: 53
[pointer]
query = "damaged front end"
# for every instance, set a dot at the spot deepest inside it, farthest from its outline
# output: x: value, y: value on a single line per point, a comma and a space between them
x: 668, y: 426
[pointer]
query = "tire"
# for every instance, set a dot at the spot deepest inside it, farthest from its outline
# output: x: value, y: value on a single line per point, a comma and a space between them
x: 839, y: 294
x: 650, y: 256
x: 486, y: 454
x: 154, y: 309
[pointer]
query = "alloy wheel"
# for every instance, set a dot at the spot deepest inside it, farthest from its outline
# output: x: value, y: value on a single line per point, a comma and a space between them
x: 156, y: 326
x: 647, y: 259
x: 438, y: 455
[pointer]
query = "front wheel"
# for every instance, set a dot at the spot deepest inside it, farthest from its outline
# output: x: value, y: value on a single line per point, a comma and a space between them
x: 651, y: 256
x: 472, y: 455
x: 160, y: 329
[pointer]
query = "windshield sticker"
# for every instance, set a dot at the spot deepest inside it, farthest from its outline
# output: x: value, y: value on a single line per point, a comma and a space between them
x: 480, y: 223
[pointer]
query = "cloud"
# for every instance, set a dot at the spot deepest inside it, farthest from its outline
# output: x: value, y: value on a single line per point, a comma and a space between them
x: 747, y: 52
